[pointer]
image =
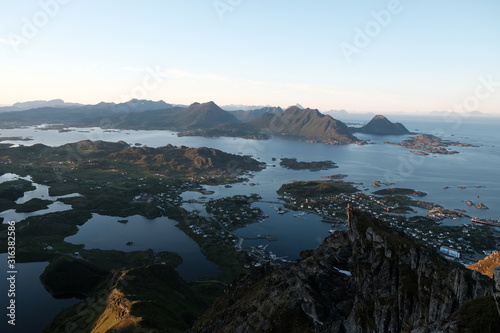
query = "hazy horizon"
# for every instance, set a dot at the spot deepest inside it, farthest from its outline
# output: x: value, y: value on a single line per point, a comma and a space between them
x: 247, y: 107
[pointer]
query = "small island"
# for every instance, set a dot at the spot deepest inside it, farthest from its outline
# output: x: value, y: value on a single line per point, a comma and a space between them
x: 400, y: 191
x: 424, y: 144
x: 481, y: 206
x: 15, y: 138
x: 33, y: 205
x: 317, y: 187
x: 293, y: 164
x: 337, y: 176
x: 380, y: 125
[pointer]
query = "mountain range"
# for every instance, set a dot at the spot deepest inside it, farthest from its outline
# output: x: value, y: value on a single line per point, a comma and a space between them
x: 205, y: 119
x: 56, y: 103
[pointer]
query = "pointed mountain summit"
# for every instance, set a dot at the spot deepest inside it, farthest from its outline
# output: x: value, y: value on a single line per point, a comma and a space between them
x: 307, y: 123
x: 204, y: 115
x: 248, y: 115
x: 380, y: 125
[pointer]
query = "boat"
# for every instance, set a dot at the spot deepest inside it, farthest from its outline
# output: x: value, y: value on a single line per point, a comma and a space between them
x: 492, y: 222
x: 280, y: 210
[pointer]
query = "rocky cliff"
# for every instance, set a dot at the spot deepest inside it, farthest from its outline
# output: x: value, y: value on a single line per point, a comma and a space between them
x: 366, y: 279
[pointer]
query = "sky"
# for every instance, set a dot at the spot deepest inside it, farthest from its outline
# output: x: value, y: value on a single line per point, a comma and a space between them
x: 393, y: 56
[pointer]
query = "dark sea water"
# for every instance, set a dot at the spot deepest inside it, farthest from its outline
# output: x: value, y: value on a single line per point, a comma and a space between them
x: 35, y: 307
x: 377, y: 161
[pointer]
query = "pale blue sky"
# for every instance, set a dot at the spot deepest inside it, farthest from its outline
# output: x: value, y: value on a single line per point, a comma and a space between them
x: 429, y: 55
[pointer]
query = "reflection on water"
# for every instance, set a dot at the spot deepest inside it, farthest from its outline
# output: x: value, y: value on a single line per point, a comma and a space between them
x: 11, y: 215
x: 160, y: 234
x: 40, y: 192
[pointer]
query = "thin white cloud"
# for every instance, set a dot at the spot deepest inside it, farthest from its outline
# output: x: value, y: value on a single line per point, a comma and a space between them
x: 180, y: 74
x: 135, y: 69
x: 212, y: 77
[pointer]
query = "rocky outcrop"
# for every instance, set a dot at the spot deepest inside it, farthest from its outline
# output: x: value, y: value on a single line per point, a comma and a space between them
x: 488, y: 265
x: 480, y: 206
x: 366, y: 279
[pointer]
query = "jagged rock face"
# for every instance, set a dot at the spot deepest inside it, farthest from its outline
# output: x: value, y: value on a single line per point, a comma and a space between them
x: 363, y: 280
x: 487, y: 265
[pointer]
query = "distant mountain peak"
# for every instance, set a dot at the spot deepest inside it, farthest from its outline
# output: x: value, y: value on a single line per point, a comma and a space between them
x: 296, y: 106
x: 380, y: 125
x: 207, y: 106
x: 307, y: 123
x: 54, y: 103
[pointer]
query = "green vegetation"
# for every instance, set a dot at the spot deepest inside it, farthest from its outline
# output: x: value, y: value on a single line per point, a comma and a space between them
x: 217, y: 244
x: 406, y: 201
x: 11, y: 191
x: 292, y: 163
x: 227, y: 130
x: 33, y: 205
x: 67, y: 276
x: 141, y: 299
x: 400, y: 191
x: 314, y: 188
x: 41, y: 238
x: 236, y: 211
